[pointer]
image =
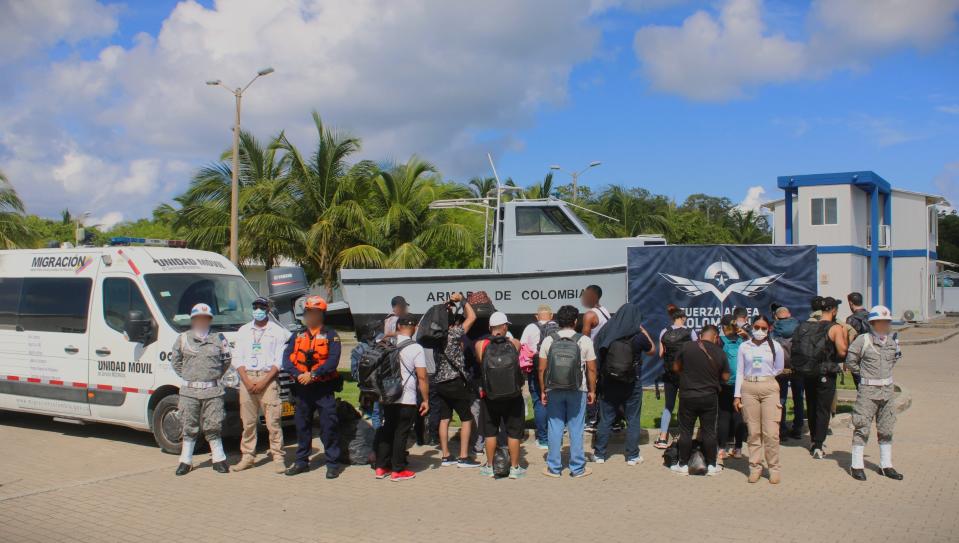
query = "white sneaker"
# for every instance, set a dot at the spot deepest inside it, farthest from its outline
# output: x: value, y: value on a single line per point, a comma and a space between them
x: 818, y: 454
x: 600, y: 460
x: 634, y: 461
x: 681, y: 470
x: 714, y: 470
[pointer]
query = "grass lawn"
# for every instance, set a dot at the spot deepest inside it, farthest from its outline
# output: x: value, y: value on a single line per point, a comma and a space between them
x: 652, y: 407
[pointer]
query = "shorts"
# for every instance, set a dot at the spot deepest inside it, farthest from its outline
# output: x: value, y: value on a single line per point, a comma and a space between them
x: 455, y: 396
x: 510, y: 412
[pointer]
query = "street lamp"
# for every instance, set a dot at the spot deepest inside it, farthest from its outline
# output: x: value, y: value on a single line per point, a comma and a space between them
x: 235, y: 184
x: 575, y: 175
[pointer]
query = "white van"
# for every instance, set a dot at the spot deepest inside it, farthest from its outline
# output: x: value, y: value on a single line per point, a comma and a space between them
x: 86, y: 333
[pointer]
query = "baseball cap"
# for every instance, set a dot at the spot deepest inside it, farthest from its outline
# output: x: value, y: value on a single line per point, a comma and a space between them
x: 201, y: 310
x: 261, y: 301
x: 398, y: 300
x: 498, y: 319
x: 830, y: 303
x: 406, y: 320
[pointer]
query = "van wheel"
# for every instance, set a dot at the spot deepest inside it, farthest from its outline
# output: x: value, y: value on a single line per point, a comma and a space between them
x: 166, y: 426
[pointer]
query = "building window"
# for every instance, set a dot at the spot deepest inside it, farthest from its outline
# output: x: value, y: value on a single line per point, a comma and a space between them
x: 824, y: 211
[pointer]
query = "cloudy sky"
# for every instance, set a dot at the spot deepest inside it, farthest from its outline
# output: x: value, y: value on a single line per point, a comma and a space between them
x: 103, y: 106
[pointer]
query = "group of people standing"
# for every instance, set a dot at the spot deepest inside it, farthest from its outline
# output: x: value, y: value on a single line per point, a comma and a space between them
x: 733, y: 379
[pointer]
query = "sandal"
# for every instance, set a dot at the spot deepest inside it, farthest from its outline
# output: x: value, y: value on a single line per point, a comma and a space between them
x: 661, y: 444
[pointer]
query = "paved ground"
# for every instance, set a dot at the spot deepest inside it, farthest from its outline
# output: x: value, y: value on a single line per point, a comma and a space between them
x: 81, y: 483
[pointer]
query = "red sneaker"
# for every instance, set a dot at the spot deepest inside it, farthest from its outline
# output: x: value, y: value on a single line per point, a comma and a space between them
x: 381, y: 473
x: 402, y: 475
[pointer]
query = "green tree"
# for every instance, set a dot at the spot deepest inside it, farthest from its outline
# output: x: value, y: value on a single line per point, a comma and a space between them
x: 715, y: 208
x: 748, y: 227
x: 14, y: 233
x: 948, y: 248
x: 543, y: 189
x: 635, y: 210
x: 267, y: 231
x: 482, y: 186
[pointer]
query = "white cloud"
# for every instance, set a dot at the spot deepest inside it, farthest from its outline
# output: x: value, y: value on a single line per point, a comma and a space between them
x: 107, y: 220
x: 28, y: 26
x: 711, y: 58
x: 721, y: 57
x: 754, y: 199
x: 405, y: 76
x: 952, y: 109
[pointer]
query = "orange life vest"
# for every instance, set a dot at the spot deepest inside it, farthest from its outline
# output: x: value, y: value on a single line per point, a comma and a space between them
x: 304, y: 361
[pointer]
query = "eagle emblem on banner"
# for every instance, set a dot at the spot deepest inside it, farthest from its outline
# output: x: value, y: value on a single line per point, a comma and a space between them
x: 726, y: 278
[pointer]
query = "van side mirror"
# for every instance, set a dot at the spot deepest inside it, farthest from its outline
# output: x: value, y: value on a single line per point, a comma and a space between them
x: 138, y: 327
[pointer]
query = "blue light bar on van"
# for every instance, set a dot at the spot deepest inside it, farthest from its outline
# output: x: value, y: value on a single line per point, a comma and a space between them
x: 150, y: 242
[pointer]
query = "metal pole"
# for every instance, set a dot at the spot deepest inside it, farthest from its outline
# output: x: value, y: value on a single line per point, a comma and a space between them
x: 235, y: 186
x: 575, y: 185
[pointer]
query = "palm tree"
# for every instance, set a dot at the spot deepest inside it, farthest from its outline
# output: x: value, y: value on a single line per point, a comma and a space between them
x: 14, y: 233
x: 409, y: 234
x: 331, y: 204
x: 748, y: 227
x: 541, y: 190
x: 634, y: 208
x: 268, y: 229
x: 482, y: 186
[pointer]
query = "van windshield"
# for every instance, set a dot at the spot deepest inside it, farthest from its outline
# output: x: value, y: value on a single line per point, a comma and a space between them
x: 230, y: 296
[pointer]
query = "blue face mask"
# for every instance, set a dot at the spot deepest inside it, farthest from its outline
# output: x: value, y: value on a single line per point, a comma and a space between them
x: 259, y: 314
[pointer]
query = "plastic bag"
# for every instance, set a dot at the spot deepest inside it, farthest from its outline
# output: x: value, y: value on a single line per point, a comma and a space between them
x: 501, y: 463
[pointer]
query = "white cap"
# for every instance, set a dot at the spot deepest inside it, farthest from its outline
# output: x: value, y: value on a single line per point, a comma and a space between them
x: 201, y: 310
x: 498, y: 319
x: 880, y: 313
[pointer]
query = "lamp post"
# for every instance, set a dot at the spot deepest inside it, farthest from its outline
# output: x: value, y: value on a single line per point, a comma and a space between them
x: 575, y: 175
x: 235, y: 183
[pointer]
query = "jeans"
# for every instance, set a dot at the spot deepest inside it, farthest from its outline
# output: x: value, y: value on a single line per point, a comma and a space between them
x: 539, y: 410
x: 799, y: 413
x: 566, y: 409
x: 629, y: 396
x: 390, y: 441
x: 705, y: 409
x: 820, y: 390
x: 730, y: 425
x: 671, y: 393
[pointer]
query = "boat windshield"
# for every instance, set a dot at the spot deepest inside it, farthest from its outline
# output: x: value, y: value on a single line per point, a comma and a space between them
x: 543, y: 220
x: 230, y: 296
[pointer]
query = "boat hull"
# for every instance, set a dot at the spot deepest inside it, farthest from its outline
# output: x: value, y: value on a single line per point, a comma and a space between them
x: 368, y: 292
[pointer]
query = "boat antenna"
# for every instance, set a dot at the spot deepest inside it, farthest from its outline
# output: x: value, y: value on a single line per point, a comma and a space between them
x: 590, y: 210
x: 497, y: 218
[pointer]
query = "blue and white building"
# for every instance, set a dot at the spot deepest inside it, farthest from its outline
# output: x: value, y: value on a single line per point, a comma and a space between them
x: 871, y: 238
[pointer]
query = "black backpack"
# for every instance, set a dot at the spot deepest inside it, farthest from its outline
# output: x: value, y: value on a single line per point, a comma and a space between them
x: 811, y: 350
x: 619, y: 364
x: 673, y: 341
x: 860, y: 322
x: 379, y: 371
x: 502, y: 377
x: 433, y: 327
x: 564, y: 363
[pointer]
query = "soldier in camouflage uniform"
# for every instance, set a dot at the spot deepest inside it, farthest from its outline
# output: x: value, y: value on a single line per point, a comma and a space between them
x: 201, y: 358
x: 873, y: 355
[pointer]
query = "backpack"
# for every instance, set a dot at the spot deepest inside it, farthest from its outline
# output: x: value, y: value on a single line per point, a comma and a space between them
x: 433, y: 326
x: 811, y: 350
x: 786, y: 344
x: 619, y: 364
x: 501, y: 374
x: 673, y: 340
x: 859, y: 322
x: 355, y: 433
x: 380, y: 373
x: 481, y: 303
x: 564, y: 364
x: 671, y: 454
x: 545, y: 330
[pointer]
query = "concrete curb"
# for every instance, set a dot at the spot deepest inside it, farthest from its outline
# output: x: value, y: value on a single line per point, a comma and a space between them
x: 929, y: 341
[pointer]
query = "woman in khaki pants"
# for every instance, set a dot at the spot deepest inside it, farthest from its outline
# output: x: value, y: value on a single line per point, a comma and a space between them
x: 757, y: 396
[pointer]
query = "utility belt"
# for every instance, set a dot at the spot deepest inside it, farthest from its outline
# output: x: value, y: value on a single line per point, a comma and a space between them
x: 201, y: 384
x: 758, y: 378
x: 876, y: 382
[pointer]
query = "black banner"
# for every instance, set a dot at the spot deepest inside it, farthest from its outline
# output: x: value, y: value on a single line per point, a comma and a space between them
x: 708, y: 281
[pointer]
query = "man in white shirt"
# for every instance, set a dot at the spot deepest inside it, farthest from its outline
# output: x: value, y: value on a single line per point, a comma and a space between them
x: 533, y: 336
x: 390, y: 442
x: 567, y: 376
x: 399, y: 308
x: 257, y: 359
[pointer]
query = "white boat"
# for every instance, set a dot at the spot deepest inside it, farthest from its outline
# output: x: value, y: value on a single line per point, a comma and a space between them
x: 535, y: 252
